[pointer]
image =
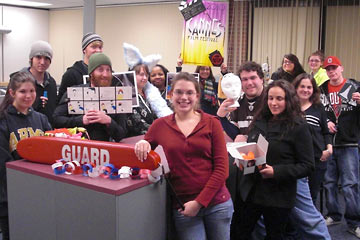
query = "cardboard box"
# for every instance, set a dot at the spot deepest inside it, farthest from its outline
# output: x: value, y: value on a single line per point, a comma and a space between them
x: 259, y: 149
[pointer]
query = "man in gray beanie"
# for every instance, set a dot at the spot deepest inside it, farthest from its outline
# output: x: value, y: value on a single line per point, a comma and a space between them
x: 91, y: 43
x: 100, y: 126
x: 40, y: 57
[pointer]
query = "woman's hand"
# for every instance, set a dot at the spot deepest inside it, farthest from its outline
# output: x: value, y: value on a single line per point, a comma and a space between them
x: 267, y: 172
x: 241, y: 138
x: 142, y: 148
x: 224, y: 107
x: 326, y: 153
x: 191, y: 208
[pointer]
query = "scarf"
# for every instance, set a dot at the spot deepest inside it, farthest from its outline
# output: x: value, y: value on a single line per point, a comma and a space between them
x: 209, y: 94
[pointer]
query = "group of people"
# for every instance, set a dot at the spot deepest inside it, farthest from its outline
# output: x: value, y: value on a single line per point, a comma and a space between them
x: 298, y: 120
x: 313, y: 136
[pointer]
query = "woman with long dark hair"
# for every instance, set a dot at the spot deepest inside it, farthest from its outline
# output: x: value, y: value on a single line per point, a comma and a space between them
x: 271, y: 190
x: 18, y: 120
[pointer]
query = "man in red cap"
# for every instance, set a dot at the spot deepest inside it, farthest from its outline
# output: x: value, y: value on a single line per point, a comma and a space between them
x: 341, y: 99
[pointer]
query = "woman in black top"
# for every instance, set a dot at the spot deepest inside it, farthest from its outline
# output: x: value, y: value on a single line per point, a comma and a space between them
x: 309, y: 96
x: 271, y: 190
x: 290, y: 68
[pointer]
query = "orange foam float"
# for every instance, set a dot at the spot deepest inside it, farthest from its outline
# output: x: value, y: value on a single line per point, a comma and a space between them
x: 49, y: 149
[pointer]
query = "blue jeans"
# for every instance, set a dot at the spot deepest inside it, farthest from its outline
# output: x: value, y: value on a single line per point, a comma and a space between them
x: 343, y: 165
x: 306, y: 219
x: 211, y: 223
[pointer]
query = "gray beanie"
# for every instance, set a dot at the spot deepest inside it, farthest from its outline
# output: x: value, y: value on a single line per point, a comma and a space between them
x: 89, y: 38
x: 41, y: 48
x: 96, y: 60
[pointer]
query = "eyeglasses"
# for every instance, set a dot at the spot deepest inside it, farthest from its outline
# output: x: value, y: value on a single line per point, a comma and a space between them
x: 288, y: 62
x: 179, y: 93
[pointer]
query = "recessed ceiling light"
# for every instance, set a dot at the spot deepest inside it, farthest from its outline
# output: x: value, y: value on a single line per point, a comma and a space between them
x: 24, y: 3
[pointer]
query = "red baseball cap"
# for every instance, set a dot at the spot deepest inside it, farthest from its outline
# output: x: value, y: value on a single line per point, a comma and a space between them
x: 331, y: 61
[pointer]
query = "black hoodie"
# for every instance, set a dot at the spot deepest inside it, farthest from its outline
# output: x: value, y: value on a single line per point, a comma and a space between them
x: 13, y: 127
x: 72, y: 77
x: 348, y: 123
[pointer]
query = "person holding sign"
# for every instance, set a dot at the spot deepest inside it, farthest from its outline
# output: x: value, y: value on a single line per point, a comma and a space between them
x: 198, y: 163
x: 99, y: 125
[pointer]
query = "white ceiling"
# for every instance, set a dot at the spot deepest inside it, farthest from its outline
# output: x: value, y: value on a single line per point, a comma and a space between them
x: 58, y: 4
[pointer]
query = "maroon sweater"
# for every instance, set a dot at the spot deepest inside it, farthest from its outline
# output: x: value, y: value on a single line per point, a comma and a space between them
x: 198, y: 163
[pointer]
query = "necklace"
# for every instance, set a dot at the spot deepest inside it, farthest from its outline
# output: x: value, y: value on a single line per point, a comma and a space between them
x: 251, y: 106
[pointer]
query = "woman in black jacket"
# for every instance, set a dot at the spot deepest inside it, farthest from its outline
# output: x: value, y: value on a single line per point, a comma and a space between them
x: 289, y: 70
x: 271, y: 190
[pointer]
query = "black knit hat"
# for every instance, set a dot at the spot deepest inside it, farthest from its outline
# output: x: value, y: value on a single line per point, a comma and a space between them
x: 89, y: 38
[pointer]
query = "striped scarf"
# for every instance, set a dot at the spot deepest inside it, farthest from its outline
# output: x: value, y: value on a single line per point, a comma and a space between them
x: 209, y: 94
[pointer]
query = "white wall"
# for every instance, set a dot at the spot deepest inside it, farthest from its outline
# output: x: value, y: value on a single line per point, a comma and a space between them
x: 28, y: 25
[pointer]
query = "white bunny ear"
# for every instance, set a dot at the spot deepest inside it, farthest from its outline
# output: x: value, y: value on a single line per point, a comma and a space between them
x: 132, y: 55
x: 151, y: 60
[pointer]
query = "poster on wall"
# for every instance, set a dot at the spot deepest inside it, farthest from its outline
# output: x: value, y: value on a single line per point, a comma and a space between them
x: 204, y: 35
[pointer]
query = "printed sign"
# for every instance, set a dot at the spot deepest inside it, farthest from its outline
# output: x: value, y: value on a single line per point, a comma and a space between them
x: 191, y: 9
x: 204, y: 35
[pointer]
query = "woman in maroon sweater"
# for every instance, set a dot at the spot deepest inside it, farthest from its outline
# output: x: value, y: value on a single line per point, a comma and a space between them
x: 195, y: 148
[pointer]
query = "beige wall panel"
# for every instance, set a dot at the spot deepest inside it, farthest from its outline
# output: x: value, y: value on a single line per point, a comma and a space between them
x: 278, y: 31
x: 151, y: 28
x: 65, y: 35
x: 342, y: 37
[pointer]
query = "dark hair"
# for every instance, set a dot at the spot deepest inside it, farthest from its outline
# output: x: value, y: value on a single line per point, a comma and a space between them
x: 249, y: 67
x: 190, y: 78
x: 298, y: 69
x: 211, y: 76
x: 315, y: 97
x: 292, y: 110
x: 15, y: 82
x: 318, y: 53
x: 164, y: 69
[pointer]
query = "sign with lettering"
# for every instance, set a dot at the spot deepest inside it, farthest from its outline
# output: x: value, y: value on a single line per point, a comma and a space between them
x: 204, y: 35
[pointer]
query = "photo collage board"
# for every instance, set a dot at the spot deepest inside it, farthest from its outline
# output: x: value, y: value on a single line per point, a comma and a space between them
x: 120, y: 98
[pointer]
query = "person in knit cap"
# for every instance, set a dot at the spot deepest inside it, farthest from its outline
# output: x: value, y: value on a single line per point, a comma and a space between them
x: 91, y: 43
x: 40, y: 57
x: 99, y: 125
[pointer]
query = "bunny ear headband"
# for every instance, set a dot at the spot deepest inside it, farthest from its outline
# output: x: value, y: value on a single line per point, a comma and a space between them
x: 133, y: 57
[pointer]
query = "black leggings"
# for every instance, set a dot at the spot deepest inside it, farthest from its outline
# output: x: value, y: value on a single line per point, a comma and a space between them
x: 4, y: 223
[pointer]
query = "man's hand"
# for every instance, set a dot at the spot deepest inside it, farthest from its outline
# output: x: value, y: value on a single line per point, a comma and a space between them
x: 356, y: 97
x: 332, y: 127
x: 224, y: 107
x: 96, y: 116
